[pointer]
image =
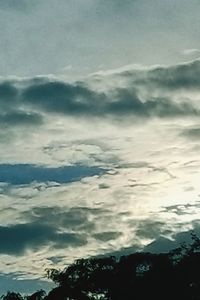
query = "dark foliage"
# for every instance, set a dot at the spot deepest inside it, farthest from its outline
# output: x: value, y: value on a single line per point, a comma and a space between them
x: 139, y: 276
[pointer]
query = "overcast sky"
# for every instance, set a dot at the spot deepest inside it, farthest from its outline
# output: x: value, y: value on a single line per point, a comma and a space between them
x: 77, y: 37
x: 99, y: 131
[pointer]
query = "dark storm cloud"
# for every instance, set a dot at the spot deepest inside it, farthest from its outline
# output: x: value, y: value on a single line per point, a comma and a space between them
x: 20, y: 237
x: 30, y: 100
x: 78, y: 100
x: 26, y: 173
x: 11, y: 111
x: 8, y: 94
x: 129, y: 104
x: 17, y: 118
x: 59, y: 97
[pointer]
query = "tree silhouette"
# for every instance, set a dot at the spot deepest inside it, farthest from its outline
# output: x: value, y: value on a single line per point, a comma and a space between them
x: 12, y: 296
x: 84, y: 278
x: 39, y: 295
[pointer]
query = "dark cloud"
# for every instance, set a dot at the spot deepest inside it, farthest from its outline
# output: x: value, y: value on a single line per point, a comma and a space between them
x: 103, y: 186
x: 20, y: 237
x: 151, y: 229
x: 107, y: 236
x: 180, y: 209
x: 129, y: 104
x: 78, y: 219
x: 191, y: 133
x: 23, y: 102
x: 26, y: 173
x: 8, y: 93
x: 137, y: 164
x: 78, y: 100
x: 58, y: 97
x: 12, y: 113
x: 17, y: 118
x: 75, y: 218
x: 183, y: 76
x: 58, y: 227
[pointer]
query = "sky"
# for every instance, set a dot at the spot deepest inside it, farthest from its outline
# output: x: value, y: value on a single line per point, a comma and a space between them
x: 99, y: 131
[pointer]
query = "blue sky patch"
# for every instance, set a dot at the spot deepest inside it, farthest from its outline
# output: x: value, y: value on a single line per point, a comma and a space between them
x: 18, y: 174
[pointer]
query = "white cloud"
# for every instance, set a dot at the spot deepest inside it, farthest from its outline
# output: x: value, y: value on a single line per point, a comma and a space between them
x: 191, y: 52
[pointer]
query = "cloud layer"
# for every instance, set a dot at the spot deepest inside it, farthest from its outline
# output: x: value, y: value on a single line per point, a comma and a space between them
x: 147, y: 94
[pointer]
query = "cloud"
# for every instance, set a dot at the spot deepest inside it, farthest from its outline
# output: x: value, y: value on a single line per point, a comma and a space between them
x: 146, y: 94
x: 74, y: 218
x: 150, y: 229
x: 17, y: 118
x: 8, y: 94
x: 12, y: 113
x: 159, y: 107
x: 20, y: 237
x: 176, y: 77
x: 78, y: 100
x: 57, y: 227
x: 180, y: 210
x: 191, y: 133
x: 107, y: 236
x: 191, y: 51
x: 26, y: 173
x: 59, y: 97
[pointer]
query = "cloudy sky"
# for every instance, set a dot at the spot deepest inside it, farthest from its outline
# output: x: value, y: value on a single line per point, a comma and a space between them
x: 99, y: 131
